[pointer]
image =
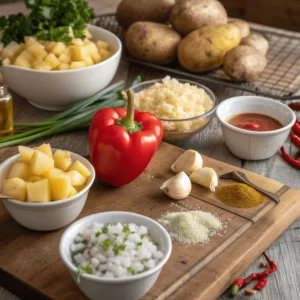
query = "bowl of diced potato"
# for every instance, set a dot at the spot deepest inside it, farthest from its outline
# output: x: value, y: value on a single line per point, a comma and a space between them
x: 48, y: 187
x: 53, y: 75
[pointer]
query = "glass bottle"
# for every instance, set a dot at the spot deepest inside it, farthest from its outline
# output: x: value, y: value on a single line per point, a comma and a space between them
x: 6, y: 112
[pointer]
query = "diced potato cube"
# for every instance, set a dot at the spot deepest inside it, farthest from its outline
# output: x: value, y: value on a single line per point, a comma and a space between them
x: 47, y: 174
x: 86, y: 41
x: 92, y: 48
x: 105, y: 54
x: 87, y: 34
x: 6, y: 62
x: 62, y: 159
x: 36, y: 49
x: 15, y: 188
x: 72, y: 192
x: 49, y: 45
x: 81, y: 168
x: 52, y: 60
x: 59, y: 48
x: 77, y: 64
x: 60, y: 185
x: 77, y: 42
x: 46, y: 149
x: 76, y: 178
x: 34, y: 178
x: 39, y: 191
x: 102, y: 45
x: 25, y: 153
x: 79, y: 188
x: 20, y: 170
x: 88, y: 61
x: 79, y: 53
x: 36, y: 60
x: 43, y: 66
x: 96, y: 57
x: 29, y: 40
x: 63, y: 58
x: 10, y: 50
x: 40, y: 163
x: 64, y: 66
x: 23, y: 60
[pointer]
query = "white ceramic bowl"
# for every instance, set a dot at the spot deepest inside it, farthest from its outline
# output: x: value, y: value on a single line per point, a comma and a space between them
x: 55, y: 90
x: 129, y: 288
x: 51, y: 215
x: 253, y: 145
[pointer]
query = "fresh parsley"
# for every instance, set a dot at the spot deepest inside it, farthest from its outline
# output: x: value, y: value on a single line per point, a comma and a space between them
x: 81, y: 270
x: 118, y: 248
x: 97, y: 234
x: 105, y: 230
x: 106, y: 244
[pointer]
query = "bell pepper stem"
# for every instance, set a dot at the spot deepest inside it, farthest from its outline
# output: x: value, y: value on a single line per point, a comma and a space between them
x: 128, y: 121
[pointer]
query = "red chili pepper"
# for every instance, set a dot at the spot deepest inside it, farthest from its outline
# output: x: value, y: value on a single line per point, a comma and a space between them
x: 261, y: 283
x: 122, y: 142
x: 295, y: 139
x: 296, y: 127
x: 237, y: 286
x: 270, y: 262
x: 292, y: 161
x: 295, y: 106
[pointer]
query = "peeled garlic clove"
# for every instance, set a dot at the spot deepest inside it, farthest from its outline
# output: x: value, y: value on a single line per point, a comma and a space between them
x: 177, y: 187
x: 206, y: 177
x: 188, y: 162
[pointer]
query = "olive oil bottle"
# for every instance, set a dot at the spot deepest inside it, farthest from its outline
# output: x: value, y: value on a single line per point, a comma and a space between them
x: 6, y: 112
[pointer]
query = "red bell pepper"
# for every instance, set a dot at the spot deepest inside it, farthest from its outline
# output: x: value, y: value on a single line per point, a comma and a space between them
x: 122, y: 142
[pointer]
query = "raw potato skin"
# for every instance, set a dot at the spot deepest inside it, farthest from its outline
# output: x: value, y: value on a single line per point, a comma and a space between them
x: 256, y: 41
x: 189, y: 15
x: 131, y: 11
x: 152, y: 42
x: 244, y: 63
x: 205, y: 48
x: 243, y: 27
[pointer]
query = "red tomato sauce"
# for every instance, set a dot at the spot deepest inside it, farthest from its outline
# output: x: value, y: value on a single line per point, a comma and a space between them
x: 254, y: 122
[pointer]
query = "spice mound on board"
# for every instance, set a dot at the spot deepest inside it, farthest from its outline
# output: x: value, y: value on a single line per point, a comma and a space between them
x: 239, y: 195
x: 191, y: 227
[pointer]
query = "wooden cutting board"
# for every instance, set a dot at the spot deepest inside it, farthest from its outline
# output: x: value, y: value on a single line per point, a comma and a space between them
x: 31, y: 268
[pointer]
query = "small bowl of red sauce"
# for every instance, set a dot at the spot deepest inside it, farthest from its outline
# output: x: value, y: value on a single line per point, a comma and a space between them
x: 253, y: 127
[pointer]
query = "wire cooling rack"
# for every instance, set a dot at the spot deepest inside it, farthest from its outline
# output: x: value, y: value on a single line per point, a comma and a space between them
x: 280, y: 79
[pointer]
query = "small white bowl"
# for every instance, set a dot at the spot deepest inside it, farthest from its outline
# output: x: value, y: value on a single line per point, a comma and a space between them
x: 128, y: 288
x: 254, y: 145
x: 51, y: 215
x: 56, y: 90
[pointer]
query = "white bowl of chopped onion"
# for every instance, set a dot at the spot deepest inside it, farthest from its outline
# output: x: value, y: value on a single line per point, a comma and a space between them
x: 115, y: 255
x: 57, y: 89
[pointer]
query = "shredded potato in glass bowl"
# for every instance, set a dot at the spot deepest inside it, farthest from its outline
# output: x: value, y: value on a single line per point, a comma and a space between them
x: 184, y: 107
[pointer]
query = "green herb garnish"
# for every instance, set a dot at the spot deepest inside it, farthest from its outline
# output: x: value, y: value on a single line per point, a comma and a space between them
x: 139, y: 244
x: 126, y: 229
x: 97, y: 234
x: 81, y: 270
x: 129, y: 270
x: 106, y: 244
x: 144, y: 235
x: 73, y: 253
x: 105, y: 230
x: 118, y: 248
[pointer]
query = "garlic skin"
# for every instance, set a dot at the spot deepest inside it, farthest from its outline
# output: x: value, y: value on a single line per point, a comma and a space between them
x: 188, y: 162
x: 206, y: 177
x: 177, y: 187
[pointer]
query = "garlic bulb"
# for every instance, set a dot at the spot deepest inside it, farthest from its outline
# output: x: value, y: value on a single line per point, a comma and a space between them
x: 206, y: 177
x: 177, y: 187
x: 188, y: 162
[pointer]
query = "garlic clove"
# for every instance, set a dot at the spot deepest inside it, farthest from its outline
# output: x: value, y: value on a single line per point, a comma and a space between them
x: 177, y: 187
x: 188, y: 162
x: 206, y: 177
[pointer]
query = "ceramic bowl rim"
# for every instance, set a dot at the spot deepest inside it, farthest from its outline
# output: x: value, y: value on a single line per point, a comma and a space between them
x: 208, y: 91
x: 13, y: 159
x: 102, y: 63
x: 94, y: 278
x: 256, y: 133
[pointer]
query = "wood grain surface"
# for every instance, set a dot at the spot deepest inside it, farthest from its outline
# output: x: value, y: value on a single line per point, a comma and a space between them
x: 285, y: 251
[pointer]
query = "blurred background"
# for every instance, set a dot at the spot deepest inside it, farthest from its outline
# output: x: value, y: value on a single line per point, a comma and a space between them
x: 277, y: 13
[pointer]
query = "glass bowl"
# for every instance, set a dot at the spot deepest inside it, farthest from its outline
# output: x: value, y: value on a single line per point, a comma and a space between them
x: 177, y: 129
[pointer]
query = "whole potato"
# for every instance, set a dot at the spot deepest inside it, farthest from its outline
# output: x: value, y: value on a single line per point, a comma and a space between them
x: 152, y: 42
x: 243, y: 27
x: 189, y: 15
x: 204, y: 49
x: 244, y: 63
x: 130, y: 11
x: 256, y: 41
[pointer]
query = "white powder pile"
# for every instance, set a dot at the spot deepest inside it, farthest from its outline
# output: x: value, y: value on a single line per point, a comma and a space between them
x: 191, y: 227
